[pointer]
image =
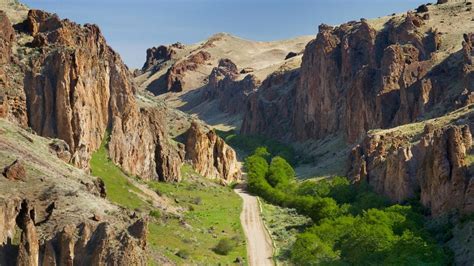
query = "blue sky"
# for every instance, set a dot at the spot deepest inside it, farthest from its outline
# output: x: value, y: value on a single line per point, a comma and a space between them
x: 132, y: 26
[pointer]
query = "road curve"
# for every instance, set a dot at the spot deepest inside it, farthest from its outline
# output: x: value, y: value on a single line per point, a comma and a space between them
x: 259, y: 244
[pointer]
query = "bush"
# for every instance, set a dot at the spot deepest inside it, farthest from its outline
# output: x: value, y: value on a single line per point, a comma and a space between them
x: 155, y: 214
x: 183, y: 253
x: 224, y: 247
x: 280, y: 173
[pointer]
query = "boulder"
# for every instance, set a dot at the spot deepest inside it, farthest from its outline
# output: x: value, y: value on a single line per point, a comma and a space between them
x: 15, y: 171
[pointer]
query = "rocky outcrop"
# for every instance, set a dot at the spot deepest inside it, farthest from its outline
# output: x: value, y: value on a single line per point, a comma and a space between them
x: 7, y: 37
x: 15, y: 171
x: 210, y: 155
x: 435, y: 168
x: 354, y: 78
x: 84, y: 243
x: 12, y: 100
x: 174, y: 76
x: 269, y: 110
x: 156, y: 56
x: 78, y: 87
x: 224, y: 86
x: 140, y: 144
x: 59, y: 215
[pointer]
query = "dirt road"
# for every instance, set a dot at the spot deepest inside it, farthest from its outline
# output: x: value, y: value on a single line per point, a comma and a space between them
x: 259, y: 245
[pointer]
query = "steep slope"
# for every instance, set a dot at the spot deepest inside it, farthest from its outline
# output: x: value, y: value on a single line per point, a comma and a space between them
x: 377, y: 74
x: 55, y: 214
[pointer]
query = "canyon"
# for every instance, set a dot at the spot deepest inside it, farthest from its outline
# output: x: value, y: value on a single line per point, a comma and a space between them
x: 387, y: 102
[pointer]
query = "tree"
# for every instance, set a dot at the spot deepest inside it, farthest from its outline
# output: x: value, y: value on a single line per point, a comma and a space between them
x: 310, y: 250
x: 280, y: 172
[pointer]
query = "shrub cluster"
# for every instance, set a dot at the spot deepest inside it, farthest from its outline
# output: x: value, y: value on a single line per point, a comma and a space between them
x: 352, y: 224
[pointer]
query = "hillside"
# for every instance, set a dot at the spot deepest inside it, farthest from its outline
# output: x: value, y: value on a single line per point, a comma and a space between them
x: 180, y: 74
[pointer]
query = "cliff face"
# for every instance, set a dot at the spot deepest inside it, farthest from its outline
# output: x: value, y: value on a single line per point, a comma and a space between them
x: 76, y: 87
x: 224, y: 86
x: 270, y: 109
x: 12, y: 99
x: 361, y: 75
x: 210, y: 155
x: 435, y: 166
x: 354, y: 78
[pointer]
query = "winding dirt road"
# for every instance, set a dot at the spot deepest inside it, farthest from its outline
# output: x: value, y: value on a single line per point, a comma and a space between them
x: 259, y: 244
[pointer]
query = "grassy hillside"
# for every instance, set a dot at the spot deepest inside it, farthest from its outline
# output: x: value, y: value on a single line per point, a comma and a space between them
x: 212, y: 213
x: 203, y: 214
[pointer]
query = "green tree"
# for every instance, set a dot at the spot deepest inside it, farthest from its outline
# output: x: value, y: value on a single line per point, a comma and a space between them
x: 310, y: 250
x: 280, y: 172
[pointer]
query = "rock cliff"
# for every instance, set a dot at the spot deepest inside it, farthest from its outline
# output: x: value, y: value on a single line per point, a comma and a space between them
x: 210, y: 155
x: 224, y: 87
x: 12, y: 98
x: 76, y: 87
x: 433, y: 163
x: 374, y: 74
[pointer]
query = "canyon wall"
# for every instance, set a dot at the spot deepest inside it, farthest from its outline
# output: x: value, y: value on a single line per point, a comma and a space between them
x: 77, y: 87
x: 356, y: 77
x: 436, y: 167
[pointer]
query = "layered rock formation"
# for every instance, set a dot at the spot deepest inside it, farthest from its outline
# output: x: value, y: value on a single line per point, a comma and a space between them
x: 210, y: 155
x: 433, y: 166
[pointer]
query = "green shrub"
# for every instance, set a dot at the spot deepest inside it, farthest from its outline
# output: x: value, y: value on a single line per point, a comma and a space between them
x: 155, y: 214
x: 224, y: 246
x: 183, y: 253
x: 280, y: 173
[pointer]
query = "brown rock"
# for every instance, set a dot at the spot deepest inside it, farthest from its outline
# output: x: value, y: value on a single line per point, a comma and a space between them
x: 7, y: 37
x: 354, y: 78
x: 210, y: 155
x: 15, y: 171
x: 157, y: 55
x: 231, y: 94
x: 174, y: 75
x: 61, y: 149
x: 76, y: 94
x: 398, y: 168
x: 28, y: 251
x: 422, y: 9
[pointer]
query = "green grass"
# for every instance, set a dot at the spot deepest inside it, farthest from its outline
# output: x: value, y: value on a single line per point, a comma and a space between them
x: 283, y: 225
x: 118, y: 187
x: 212, y: 213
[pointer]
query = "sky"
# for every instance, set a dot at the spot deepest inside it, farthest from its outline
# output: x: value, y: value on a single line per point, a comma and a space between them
x: 132, y: 26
